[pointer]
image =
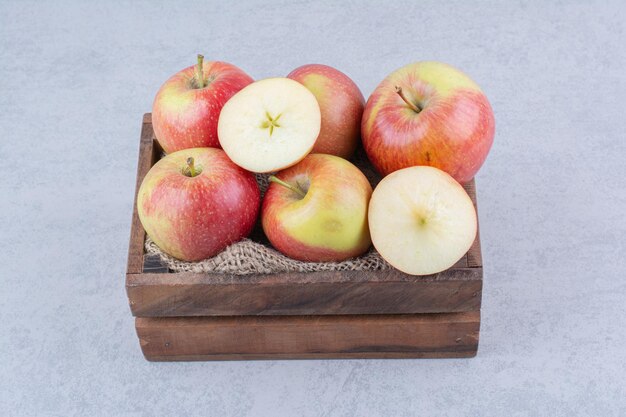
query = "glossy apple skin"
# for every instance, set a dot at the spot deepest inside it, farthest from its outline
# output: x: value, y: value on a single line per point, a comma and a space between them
x: 453, y: 132
x: 330, y: 222
x: 194, y: 218
x: 186, y: 117
x: 341, y: 104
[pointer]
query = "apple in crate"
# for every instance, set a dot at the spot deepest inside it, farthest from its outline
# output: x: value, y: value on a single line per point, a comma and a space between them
x: 428, y: 113
x: 195, y: 202
x: 341, y: 104
x: 317, y: 210
x: 269, y: 125
x: 187, y: 107
x: 421, y: 220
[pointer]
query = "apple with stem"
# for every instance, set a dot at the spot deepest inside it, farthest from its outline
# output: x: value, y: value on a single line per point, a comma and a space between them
x: 341, y: 104
x: 269, y: 125
x: 421, y: 220
x: 428, y: 113
x: 316, y: 211
x: 186, y: 109
x: 195, y: 202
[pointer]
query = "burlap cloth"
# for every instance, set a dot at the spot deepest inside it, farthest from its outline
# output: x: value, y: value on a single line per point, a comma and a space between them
x: 256, y: 256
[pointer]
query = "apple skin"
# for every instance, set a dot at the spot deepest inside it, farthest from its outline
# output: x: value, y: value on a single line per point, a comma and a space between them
x: 330, y: 222
x: 186, y: 117
x: 453, y: 132
x: 194, y: 218
x: 341, y: 104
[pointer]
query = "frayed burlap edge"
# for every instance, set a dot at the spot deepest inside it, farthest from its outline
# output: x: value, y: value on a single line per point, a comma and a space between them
x: 248, y: 257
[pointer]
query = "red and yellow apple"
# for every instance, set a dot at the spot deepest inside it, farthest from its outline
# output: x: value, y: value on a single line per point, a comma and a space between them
x: 428, y: 113
x: 187, y: 107
x: 195, y: 202
x: 317, y: 210
x: 421, y: 220
x: 341, y: 104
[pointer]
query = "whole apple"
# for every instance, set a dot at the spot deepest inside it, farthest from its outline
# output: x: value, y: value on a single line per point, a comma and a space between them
x: 186, y: 109
x: 317, y: 210
x: 195, y: 202
x: 341, y: 104
x: 422, y: 221
x: 428, y: 113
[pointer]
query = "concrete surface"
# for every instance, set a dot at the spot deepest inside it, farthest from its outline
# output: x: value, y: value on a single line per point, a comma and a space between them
x: 75, y: 79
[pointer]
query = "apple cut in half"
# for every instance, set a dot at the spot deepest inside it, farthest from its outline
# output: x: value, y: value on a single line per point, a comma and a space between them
x: 421, y: 220
x: 269, y: 125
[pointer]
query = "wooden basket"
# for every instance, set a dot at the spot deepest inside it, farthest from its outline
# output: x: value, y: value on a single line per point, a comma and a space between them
x: 346, y: 314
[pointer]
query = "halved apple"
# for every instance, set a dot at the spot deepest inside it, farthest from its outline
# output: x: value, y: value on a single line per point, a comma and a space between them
x: 421, y: 220
x: 269, y: 125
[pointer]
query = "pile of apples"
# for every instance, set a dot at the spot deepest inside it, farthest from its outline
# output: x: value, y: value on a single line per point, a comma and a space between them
x: 427, y: 128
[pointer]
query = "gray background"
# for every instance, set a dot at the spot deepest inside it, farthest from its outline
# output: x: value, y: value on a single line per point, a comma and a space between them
x: 75, y: 79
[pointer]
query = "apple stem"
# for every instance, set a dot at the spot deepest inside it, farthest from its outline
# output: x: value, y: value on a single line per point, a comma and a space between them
x: 199, y: 73
x: 413, y: 106
x: 296, y: 190
x: 192, y: 167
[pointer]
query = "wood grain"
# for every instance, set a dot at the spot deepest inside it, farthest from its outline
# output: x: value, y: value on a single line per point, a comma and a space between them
x: 356, y: 292
x: 154, y: 291
x: 293, y: 337
x: 474, y: 255
x: 146, y: 160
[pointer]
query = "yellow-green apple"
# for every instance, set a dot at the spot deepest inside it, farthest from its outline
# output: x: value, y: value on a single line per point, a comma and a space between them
x: 187, y: 107
x: 195, y: 202
x: 428, y: 113
x: 317, y: 210
x: 421, y: 220
x: 269, y: 125
x: 341, y: 104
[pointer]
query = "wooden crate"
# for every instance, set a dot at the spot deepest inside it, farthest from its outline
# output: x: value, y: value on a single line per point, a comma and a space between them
x: 360, y: 314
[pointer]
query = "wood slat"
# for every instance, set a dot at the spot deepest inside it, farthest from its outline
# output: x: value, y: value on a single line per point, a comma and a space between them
x: 474, y: 255
x: 319, y: 356
x: 294, y: 337
x: 352, y: 292
x: 146, y: 160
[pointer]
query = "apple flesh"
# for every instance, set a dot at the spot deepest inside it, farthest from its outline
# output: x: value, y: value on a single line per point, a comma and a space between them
x: 269, y: 125
x: 428, y: 113
x: 186, y: 109
x: 421, y: 220
x: 195, y: 202
x: 341, y: 104
x: 316, y: 211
